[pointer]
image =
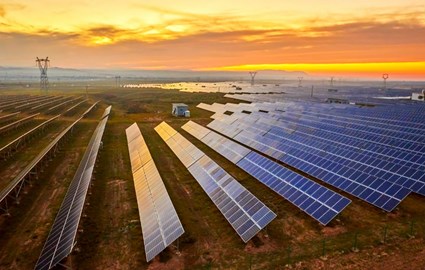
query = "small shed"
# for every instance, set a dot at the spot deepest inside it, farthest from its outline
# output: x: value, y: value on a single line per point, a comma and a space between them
x: 179, y: 109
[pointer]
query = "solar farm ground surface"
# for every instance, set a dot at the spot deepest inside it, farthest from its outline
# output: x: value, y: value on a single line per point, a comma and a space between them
x: 110, y: 235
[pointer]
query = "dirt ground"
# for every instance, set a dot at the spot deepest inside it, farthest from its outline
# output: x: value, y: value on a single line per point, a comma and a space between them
x: 110, y: 235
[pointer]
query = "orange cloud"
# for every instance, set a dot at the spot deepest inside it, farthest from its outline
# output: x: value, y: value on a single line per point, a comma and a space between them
x: 366, y: 41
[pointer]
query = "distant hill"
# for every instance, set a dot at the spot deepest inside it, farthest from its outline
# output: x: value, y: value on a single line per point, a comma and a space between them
x: 65, y: 74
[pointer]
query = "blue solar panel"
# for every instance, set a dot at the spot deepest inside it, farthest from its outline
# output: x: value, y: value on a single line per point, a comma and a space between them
x: 384, y: 143
x: 317, y: 201
x: 309, y: 160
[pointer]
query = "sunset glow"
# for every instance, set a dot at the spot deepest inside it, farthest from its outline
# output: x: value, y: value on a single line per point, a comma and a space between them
x: 356, y: 38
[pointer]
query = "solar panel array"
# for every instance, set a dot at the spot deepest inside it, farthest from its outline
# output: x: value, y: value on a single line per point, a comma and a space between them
x: 306, y: 159
x: 377, y: 159
x: 17, y: 123
x: 61, y: 239
x: 15, y: 186
x: 57, y: 106
x: 316, y: 200
x: 45, y: 104
x: 322, y: 93
x: 12, y: 145
x: 161, y: 225
x: 389, y: 147
x: 245, y: 213
x: 28, y: 103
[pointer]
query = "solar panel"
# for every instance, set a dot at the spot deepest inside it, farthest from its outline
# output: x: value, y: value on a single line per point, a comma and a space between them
x: 160, y: 223
x: 245, y: 213
x: 14, y: 188
x: 35, y: 101
x: 319, y: 202
x: 6, y: 150
x: 380, y: 193
x: 392, y: 164
x: 17, y: 123
x: 54, y: 100
x: 61, y: 239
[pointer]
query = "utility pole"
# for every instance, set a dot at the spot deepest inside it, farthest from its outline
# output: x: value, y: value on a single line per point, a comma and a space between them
x: 43, y: 65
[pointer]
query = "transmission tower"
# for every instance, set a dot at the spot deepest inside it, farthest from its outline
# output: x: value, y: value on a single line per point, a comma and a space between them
x: 252, y: 73
x: 43, y: 65
x: 300, y: 81
x: 385, y: 77
x: 332, y: 81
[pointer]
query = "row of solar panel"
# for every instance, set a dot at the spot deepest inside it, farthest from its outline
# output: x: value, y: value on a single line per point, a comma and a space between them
x: 406, y: 176
x: 407, y: 132
x: 161, y: 225
x: 24, y: 102
x: 317, y: 201
x: 246, y: 213
x: 411, y: 177
x: 319, y: 158
x: 61, y: 239
x: 14, y: 187
x: 399, y: 128
x: 406, y: 169
x: 278, y: 150
x: 395, y: 138
x: 386, y: 117
x: 401, y: 157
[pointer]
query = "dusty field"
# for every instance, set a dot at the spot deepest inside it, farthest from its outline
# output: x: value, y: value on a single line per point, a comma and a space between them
x: 111, y: 236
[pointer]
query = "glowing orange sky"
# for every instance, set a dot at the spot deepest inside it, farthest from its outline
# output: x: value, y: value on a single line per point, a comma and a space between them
x: 333, y: 37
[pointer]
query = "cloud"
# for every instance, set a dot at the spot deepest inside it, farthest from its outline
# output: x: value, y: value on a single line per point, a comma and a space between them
x: 362, y: 41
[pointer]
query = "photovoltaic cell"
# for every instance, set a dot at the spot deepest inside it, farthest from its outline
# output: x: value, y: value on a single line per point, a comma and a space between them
x: 245, y: 213
x: 161, y: 225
